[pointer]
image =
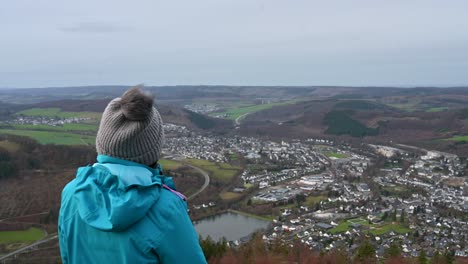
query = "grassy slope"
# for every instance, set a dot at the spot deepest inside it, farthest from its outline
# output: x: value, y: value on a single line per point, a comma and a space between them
x: 340, y: 123
x: 10, y: 146
x: 30, y: 235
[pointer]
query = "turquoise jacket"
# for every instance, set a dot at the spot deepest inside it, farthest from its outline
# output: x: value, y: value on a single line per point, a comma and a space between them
x: 119, y: 211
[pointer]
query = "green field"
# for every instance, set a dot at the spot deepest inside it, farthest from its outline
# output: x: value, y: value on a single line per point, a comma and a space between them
x: 312, y: 200
x: 234, y: 113
x: 49, y: 137
x: 170, y: 164
x: 375, y: 229
x: 437, y: 109
x: 345, y: 226
x: 30, y: 235
x: 66, y: 134
x: 56, y: 112
x: 65, y: 127
x: 221, y: 171
x: 229, y: 195
x: 405, y: 107
x: 335, y: 155
x: 458, y: 138
x: 397, y: 228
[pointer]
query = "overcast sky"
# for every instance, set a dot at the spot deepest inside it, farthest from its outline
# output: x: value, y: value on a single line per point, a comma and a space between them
x: 233, y: 42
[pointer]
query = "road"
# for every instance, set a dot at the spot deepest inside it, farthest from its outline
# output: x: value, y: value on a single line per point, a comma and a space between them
x: 239, y: 118
x: 45, y: 240
x: 207, y: 180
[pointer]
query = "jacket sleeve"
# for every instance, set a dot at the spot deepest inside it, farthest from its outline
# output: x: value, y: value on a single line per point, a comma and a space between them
x: 62, y: 237
x: 62, y: 242
x: 180, y: 244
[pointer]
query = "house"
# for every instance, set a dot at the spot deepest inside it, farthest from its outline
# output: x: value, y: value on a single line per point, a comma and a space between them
x: 324, y: 226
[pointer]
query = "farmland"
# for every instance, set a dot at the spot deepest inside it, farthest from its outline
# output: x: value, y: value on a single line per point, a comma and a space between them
x: 437, y: 109
x: 236, y: 112
x: 221, y: 171
x: 64, y: 127
x: 61, y: 134
x: 169, y: 164
x: 335, y: 155
x: 56, y: 112
x: 458, y: 138
x: 49, y: 137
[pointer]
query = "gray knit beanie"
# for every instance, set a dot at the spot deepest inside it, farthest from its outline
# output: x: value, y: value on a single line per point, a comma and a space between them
x: 131, y: 128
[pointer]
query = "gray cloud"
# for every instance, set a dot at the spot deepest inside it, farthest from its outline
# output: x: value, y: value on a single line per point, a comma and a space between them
x: 95, y: 27
x: 303, y: 42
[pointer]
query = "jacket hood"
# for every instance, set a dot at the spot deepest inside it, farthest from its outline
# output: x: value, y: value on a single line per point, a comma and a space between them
x: 114, y: 194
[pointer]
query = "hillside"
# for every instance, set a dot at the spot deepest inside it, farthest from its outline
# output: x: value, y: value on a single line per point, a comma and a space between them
x: 169, y: 113
x: 425, y: 121
x: 175, y: 94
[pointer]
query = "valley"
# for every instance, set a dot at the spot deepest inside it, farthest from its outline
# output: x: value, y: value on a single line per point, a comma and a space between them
x: 326, y: 166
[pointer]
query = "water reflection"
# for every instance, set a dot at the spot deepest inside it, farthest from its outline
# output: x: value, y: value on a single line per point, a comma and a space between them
x: 232, y: 226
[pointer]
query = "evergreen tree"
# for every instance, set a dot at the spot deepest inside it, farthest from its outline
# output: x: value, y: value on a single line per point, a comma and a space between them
x: 449, y: 257
x: 365, y: 253
x: 422, y: 259
x: 402, y: 216
x: 437, y: 258
x: 385, y: 216
x: 300, y: 198
x: 394, y: 218
x: 213, y: 249
x: 393, y: 251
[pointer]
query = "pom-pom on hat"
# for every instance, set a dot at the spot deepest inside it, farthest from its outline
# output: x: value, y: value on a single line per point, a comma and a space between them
x: 131, y: 128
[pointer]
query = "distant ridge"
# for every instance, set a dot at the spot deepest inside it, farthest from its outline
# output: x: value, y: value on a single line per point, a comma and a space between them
x: 170, y: 113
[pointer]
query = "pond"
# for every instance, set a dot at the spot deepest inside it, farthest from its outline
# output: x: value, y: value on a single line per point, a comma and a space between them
x: 231, y: 225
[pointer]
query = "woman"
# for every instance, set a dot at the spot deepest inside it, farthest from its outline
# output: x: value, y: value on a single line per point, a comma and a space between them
x: 122, y: 209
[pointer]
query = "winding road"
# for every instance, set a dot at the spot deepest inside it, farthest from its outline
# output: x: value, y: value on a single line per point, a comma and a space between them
x: 207, y: 180
x: 238, y: 119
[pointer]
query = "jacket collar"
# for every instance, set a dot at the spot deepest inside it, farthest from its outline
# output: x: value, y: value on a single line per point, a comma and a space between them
x: 108, y: 159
